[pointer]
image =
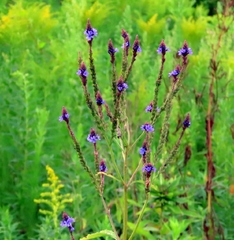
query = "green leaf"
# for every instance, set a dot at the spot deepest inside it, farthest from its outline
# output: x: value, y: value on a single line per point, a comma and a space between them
x: 100, y: 234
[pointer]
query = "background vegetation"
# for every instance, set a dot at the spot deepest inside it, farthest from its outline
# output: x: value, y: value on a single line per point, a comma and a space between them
x: 39, y: 44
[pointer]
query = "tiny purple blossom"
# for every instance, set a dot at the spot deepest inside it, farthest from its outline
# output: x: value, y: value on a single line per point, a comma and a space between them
x: 147, y: 127
x: 124, y: 34
x: 90, y: 32
x: 175, y: 72
x: 93, y: 137
x: 136, y: 46
x: 67, y: 222
x: 148, y: 168
x: 143, y: 150
x: 126, y: 44
x: 185, y: 50
x: 99, y: 99
x: 186, y: 122
x: 162, y: 49
x: 65, y: 116
x: 149, y: 108
x: 121, y: 85
x: 83, y: 73
x: 102, y: 166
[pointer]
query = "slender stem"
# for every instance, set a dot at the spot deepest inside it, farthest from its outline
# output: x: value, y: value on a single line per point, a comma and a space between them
x: 114, y: 163
x: 140, y: 217
x: 133, y: 175
x: 125, y: 195
x: 109, y: 216
x: 158, y: 83
x: 140, y: 136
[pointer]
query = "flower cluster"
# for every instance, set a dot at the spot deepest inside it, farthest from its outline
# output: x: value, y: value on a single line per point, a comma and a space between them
x: 99, y: 99
x: 162, y: 49
x: 185, y: 50
x: 93, y: 137
x: 90, y: 32
x: 121, y: 85
x: 67, y: 222
x: 149, y: 108
x: 83, y: 73
x: 186, y: 122
x: 148, y: 169
x: 136, y: 46
x: 147, y: 127
x: 112, y: 51
x: 102, y: 166
x: 65, y: 116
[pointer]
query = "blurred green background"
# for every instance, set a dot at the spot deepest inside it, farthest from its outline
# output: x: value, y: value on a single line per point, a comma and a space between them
x: 39, y: 44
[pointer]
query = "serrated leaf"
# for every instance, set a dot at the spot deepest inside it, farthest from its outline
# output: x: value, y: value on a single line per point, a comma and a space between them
x: 102, y: 233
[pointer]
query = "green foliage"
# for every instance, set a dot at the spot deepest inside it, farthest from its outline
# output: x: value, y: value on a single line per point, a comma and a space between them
x: 8, y: 229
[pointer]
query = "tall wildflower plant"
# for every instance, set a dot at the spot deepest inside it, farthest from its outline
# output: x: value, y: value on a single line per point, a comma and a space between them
x: 117, y: 132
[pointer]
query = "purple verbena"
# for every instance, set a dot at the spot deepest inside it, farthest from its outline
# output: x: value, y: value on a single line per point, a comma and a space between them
x: 147, y: 127
x: 148, y: 168
x: 102, y: 166
x: 93, y: 137
x: 99, y: 99
x: 90, y: 32
x: 162, y: 49
x: 185, y: 50
x: 83, y: 73
x: 136, y: 46
x: 186, y: 122
x: 65, y: 116
x: 175, y: 72
x: 121, y: 85
x: 67, y: 222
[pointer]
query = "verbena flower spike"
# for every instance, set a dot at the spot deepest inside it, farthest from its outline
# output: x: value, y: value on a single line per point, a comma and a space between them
x: 67, y: 222
x: 147, y: 127
x: 186, y: 122
x: 83, y: 73
x: 90, y: 32
x: 162, y: 49
x: 93, y: 137
x: 65, y: 116
x: 185, y: 50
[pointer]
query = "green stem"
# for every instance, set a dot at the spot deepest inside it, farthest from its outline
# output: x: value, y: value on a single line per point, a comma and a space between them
x: 133, y: 175
x: 109, y: 216
x: 139, y: 218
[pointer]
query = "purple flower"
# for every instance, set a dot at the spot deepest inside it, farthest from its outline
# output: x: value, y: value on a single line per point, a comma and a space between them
x: 148, y: 168
x: 136, y: 46
x: 93, y: 137
x: 175, y: 72
x: 67, y: 222
x: 162, y: 49
x: 186, y: 122
x: 143, y: 150
x: 99, y: 99
x: 121, y: 85
x: 111, y: 49
x: 126, y: 44
x: 90, y: 32
x: 102, y: 166
x: 149, y: 108
x: 147, y: 127
x: 124, y: 34
x: 185, y: 50
x: 65, y: 116
x: 83, y: 73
